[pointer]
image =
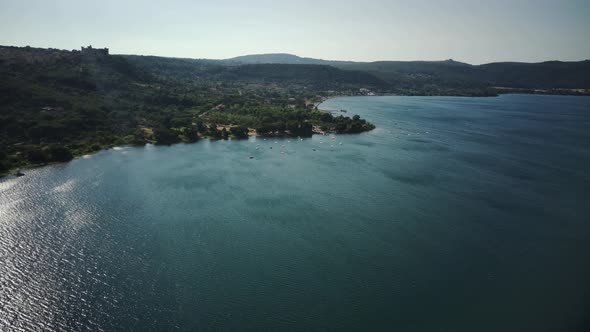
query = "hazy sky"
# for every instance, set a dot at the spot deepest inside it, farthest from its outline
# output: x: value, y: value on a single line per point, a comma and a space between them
x: 363, y: 30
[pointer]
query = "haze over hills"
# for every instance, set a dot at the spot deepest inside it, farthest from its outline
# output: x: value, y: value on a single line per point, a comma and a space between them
x: 447, y: 77
x: 286, y: 58
x: 280, y: 58
x: 414, y: 74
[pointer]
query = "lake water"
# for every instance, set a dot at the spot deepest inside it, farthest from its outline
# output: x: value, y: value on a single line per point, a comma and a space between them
x: 454, y: 214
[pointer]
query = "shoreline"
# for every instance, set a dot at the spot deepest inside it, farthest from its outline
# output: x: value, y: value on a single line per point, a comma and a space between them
x: 513, y: 92
x: 12, y: 172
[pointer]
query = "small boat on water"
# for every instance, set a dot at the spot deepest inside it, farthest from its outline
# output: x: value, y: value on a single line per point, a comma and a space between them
x: 251, y: 157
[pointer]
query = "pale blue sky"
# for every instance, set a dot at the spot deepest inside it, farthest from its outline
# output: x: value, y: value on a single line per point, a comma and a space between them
x: 367, y: 30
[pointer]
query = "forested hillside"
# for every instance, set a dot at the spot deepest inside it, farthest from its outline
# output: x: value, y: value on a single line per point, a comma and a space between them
x: 57, y: 104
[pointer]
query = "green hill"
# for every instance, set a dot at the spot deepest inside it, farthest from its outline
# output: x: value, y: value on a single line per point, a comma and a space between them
x: 451, y: 75
x: 317, y: 76
x: 544, y: 75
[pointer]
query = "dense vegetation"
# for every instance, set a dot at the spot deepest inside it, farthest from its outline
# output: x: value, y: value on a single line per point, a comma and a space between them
x: 57, y: 104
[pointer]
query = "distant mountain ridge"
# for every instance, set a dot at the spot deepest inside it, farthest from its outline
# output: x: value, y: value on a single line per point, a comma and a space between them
x: 292, y: 59
x: 287, y: 58
x: 280, y: 58
x: 398, y: 77
x: 413, y: 76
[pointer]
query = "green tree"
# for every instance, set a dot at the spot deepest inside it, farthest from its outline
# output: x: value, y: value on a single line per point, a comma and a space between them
x: 37, y: 156
x: 60, y: 153
x: 191, y: 134
x: 326, y: 117
x: 4, y: 163
x: 165, y: 136
x: 239, y: 131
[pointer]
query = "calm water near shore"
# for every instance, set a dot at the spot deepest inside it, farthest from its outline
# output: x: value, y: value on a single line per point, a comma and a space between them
x: 454, y: 214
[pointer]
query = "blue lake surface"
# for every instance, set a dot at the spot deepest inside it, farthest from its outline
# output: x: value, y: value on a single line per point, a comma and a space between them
x: 454, y: 214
